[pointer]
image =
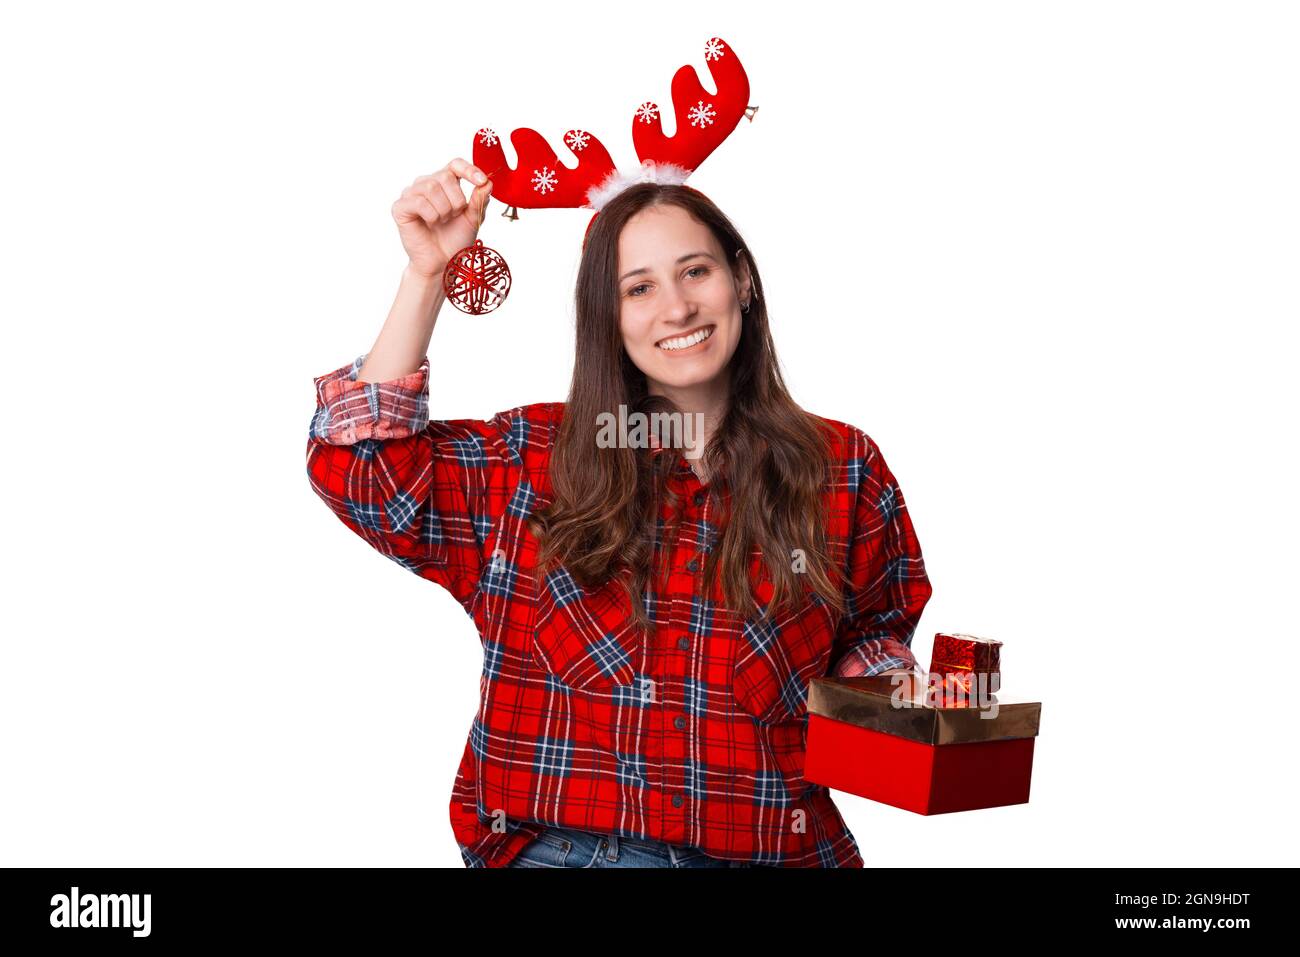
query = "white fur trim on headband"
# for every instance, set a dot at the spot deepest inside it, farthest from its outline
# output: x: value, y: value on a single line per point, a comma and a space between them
x: 650, y: 172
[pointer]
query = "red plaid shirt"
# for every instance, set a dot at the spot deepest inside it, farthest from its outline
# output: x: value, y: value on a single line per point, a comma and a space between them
x: 695, y: 735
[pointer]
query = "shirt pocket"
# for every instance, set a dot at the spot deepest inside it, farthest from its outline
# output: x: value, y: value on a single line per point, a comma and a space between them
x: 587, y: 638
x: 776, y: 657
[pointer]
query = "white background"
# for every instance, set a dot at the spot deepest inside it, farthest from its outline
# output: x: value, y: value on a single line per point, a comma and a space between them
x: 1043, y: 253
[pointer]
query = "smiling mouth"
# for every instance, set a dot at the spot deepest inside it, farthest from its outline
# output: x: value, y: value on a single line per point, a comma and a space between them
x: 687, y: 341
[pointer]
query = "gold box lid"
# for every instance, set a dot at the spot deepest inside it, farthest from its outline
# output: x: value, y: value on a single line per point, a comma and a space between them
x: 868, y: 703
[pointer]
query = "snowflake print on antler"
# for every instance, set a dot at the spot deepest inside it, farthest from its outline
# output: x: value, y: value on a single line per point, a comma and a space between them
x: 702, y: 115
x: 713, y: 49
x: 576, y: 140
x: 647, y: 111
x: 487, y: 137
x: 544, y: 180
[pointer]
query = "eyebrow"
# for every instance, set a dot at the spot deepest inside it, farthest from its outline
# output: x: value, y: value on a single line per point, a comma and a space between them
x: 680, y: 260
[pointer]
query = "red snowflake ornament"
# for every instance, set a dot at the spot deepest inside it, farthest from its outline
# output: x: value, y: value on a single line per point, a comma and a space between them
x: 476, y: 279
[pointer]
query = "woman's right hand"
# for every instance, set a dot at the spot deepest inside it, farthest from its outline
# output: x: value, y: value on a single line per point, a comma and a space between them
x: 434, y: 219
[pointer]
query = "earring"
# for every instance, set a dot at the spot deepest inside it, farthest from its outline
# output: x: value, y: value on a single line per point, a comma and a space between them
x: 744, y: 307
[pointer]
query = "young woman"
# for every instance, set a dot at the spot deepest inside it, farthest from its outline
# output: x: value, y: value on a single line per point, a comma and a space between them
x: 651, y: 613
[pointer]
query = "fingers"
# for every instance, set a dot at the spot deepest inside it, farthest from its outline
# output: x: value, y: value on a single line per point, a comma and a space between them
x: 438, y: 196
x: 468, y: 171
x: 428, y: 188
x: 479, y: 201
x: 416, y: 206
x: 457, y: 168
x: 444, y: 190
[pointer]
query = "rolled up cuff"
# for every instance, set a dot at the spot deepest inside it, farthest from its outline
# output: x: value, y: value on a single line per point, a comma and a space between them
x: 349, y: 411
x: 872, y: 657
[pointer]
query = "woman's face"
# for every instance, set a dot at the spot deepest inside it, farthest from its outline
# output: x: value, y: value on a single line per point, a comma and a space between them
x: 674, y: 285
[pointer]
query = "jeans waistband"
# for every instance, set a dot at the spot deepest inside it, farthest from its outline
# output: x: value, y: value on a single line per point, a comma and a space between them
x: 673, y: 852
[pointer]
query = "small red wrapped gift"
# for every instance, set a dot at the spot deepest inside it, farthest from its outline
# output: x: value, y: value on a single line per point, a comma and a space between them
x: 922, y: 757
x: 968, y: 661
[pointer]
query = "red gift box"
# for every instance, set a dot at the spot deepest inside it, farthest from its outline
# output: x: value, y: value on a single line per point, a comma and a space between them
x: 921, y: 758
x: 969, y: 660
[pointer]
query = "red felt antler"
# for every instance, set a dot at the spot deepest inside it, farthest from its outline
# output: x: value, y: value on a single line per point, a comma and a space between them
x: 540, y: 181
x: 703, y: 119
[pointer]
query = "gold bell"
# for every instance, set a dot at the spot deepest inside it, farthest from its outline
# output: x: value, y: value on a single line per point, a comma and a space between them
x: 510, y: 213
x: 749, y: 113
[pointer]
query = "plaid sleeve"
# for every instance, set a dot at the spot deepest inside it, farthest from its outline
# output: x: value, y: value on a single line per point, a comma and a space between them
x: 425, y: 494
x: 887, y: 587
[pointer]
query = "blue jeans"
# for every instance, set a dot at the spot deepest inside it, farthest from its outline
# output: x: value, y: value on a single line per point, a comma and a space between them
x: 566, y: 847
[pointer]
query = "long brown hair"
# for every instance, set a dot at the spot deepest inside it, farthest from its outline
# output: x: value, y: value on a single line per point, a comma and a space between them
x: 771, y: 455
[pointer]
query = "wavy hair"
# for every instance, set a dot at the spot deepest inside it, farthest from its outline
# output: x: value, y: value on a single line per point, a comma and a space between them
x: 771, y: 456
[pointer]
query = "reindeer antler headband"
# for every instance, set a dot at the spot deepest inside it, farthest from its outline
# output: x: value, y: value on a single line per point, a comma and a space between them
x: 703, y: 121
x: 477, y: 278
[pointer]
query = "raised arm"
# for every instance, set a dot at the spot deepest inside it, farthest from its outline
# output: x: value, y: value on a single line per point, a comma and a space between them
x: 422, y: 493
x: 434, y: 221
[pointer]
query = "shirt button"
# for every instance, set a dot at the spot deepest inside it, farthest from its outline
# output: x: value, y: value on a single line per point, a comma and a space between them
x: 677, y: 800
x: 679, y: 723
x: 684, y: 644
x: 692, y: 565
x: 700, y: 497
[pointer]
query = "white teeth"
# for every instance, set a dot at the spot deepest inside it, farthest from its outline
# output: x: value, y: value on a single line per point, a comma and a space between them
x: 683, y: 342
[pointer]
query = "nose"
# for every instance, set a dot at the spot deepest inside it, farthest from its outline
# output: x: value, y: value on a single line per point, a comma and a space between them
x: 678, y: 306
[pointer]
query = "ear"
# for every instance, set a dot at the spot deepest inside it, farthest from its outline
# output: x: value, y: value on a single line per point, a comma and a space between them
x: 745, y: 282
